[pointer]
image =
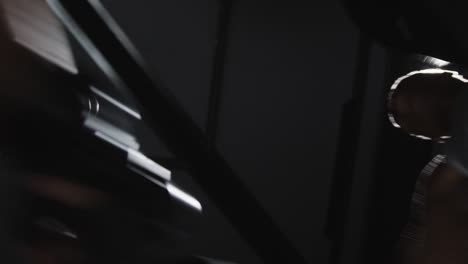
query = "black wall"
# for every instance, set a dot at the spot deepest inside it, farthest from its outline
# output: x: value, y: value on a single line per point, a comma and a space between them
x: 289, y: 68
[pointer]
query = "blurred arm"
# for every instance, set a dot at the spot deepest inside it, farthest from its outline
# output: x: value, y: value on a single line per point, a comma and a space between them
x: 447, y: 218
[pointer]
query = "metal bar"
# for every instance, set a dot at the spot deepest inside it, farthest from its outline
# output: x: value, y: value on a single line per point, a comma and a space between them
x: 219, y: 62
x: 348, y: 144
x: 373, y: 116
x: 175, y: 127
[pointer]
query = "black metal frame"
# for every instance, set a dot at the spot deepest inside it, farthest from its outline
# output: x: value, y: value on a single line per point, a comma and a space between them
x: 348, y: 144
x: 219, y: 63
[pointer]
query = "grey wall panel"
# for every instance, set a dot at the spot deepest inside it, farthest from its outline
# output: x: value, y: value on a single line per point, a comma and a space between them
x: 290, y: 68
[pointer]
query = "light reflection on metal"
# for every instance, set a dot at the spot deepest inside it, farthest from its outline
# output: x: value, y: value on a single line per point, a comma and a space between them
x: 110, y: 140
x: 87, y: 44
x: 116, y: 103
x: 421, y: 137
x: 127, y: 143
x: 117, y: 134
x: 173, y: 190
x: 138, y: 159
x: 146, y: 176
x: 55, y: 226
x: 183, y: 197
x: 98, y: 106
x: 90, y: 106
x: 435, y: 61
x: 112, y: 24
x: 93, y: 105
x: 397, y: 83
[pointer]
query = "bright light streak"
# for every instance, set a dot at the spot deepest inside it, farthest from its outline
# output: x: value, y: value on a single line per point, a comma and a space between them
x: 435, y: 61
x: 183, y: 197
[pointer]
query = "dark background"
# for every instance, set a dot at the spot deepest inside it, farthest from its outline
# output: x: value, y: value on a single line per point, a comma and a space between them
x: 290, y: 68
